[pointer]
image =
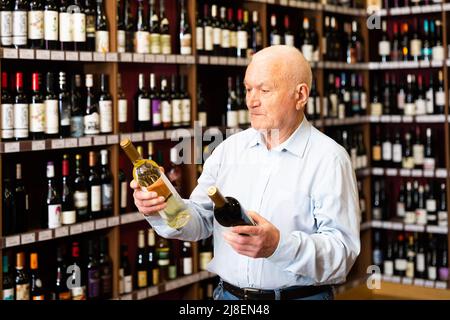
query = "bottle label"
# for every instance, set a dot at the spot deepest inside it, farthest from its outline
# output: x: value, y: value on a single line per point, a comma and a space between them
x: 440, y: 98
x: 35, y: 25
x: 96, y: 198
x: 432, y: 273
x: 289, y: 40
x: 275, y: 39
x: 310, y: 107
x: 51, y: 117
x: 69, y: 217
x: 121, y: 281
x: 51, y: 25
x: 209, y: 35
x: 78, y: 293
x: 65, y: 27
x: 107, y: 196
x: 233, y: 39
x: 418, y: 152
x: 154, y: 43
x: 421, y: 216
x: 123, y: 110
x: 376, y: 109
x: 143, y: 109
x: 437, y: 53
x: 166, y: 46
x: 8, y: 294
x: 172, y: 272
x: 65, y: 113
x: 21, y: 120
x: 121, y: 41
x: 410, y: 217
x: 388, y: 268
x: 408, y: 163
x: 123, y: 194
x: 400, y: 264
x: 376, y: 153
x: 186, y: 110
x: 400, y: 209
x: 90, y: 26
x: 80, y: 199
x: 420, y: 262
x: 102, y: 41
x: 7, y: 121
x: 106, y: 120
x: 187, y: 266
x: 217, y: 36
x: 410, y: 109
x: 443, y: 273
x: 128, y: 286
x: 176, y: 111
x: 442, y: 218
x: 6, y: 29
x: 384, y: 48
x: 416, y: 47
x: 431, y: 205
x: 232, y: 119
x: 64, y: 295
x: 92, y: 123
x: 225, y: 39
x: 156, y: 112
x: 54, y: 216
x: 76, y: 126
x: 242, y: 40
x: 155, y: 276
x: 93, y: 284
x: 202, y: 118
x: 19, y: 27
x: 387, y: 151
x: 166, y: 111
x: 23, y: 291
x: 397, y: 153
x: 79, y: 27
x: 205, y: 258
x: 307, y: 51
x: 142, y: 279
x: 409, y: 269
x: 186, y: 44
x: 199, y: 39
x: 421, y: 107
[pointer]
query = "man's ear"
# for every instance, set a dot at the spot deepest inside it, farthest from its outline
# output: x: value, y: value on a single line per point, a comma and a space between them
x: 301, y: 95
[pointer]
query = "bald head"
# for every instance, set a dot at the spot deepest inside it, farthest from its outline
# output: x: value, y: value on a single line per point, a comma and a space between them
x: 287, y: 62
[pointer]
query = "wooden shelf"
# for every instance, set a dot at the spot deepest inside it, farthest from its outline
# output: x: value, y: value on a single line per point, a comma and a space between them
x: 86, y: 56
x: 69, y: 230
x: 440, y: 173
x: 400, y: 226
x: 167, y: 286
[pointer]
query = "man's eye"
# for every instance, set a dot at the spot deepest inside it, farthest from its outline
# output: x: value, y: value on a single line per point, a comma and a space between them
x: 265, y: 90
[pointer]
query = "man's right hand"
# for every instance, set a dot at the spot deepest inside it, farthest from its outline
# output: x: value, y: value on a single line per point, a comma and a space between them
x: 148, y: 203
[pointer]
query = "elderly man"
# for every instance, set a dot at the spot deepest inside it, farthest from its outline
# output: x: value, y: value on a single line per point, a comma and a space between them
x: 298, y: 183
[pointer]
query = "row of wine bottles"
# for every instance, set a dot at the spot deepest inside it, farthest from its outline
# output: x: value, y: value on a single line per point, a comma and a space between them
x: 353, y: 142
x: 420, y: 203
x: 402, y: 41
x: 86, y: 274
x: 69, y: 198
x: 55, y: 25
x: 415, y: 150
x: 411, y: 255
x: 221, y: 34
x: 53, y: 112
x: 415, y: 97
x: 157, y: 261
x: 390, y: 4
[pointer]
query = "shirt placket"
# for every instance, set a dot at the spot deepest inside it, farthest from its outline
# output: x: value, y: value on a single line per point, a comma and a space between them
x: 253, y: 278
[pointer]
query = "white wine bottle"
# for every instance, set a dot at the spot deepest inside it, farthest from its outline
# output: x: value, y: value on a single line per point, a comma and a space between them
x: 150, y: 178
x: 227, y: 210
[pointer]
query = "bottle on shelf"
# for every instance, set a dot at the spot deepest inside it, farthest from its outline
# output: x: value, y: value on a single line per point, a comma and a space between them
x: 68, y: 212
x: 185, y: 35
x: 93, y: 273
x: 80, y: 194
x: 52, y: 216
x: 61, y: 290
x: 77, y: 113
x: 105, y: 270
x: 91, y: 112
x: 94, y: 188
x: 64, y: 107
x: 153, y: 273
x: 22, y: 280
x: 122, y: 106
x: 8, y: 280
x: 77, y: 279
x: 105, y: 106
x: 36, y: 287
x: 7, y: 106
x: 102, y: 29
x: 166, y: 40
x: 106, y: 185
x: 163, y: 253
x: 20, y: 112
x: 125, y: 275
x: 141, y: 262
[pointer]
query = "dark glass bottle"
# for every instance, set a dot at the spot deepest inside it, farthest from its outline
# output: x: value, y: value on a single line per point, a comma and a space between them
x: 52, y: 216
x: 227, y: 210
x: 64, y: 107
x: 141, y: 262
x: 36, y: 24
x: 61, y: 291
x: 36, y: 288
x: 94, y: 188
x: 22, y: 281
x: 68, y: 215
x: 142, y: 106
x: 101, y: 29
x: 125, y: 275
x: 106, y: 270
x: 7, y: 108
x: 91, y: 113
x: 80, y: 195
x: 21, y: 126
x: 77, y: 112
x: 8, y: 280
x: 105, y: 105
x: 21, y: 197
x: 93, y: 273
x: 51, y: 24
x: 51, y: 109
x: 107, y: 185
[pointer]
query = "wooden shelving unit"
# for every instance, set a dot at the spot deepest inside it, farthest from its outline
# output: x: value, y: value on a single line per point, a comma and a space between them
x: 110, y: 63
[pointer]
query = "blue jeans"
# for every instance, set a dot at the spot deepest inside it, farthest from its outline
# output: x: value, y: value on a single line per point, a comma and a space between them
x: 221, y: 294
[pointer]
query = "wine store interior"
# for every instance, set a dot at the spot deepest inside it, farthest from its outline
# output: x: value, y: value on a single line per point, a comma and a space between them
x: 93, y: 91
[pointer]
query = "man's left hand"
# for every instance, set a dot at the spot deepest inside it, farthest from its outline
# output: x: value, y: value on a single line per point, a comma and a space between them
x: 258, y: 241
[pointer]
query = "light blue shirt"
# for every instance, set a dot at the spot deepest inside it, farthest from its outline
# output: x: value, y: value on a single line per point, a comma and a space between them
x: 306, y: 187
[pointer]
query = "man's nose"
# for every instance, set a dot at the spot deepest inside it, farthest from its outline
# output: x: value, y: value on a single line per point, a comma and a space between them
x: 253, y: 99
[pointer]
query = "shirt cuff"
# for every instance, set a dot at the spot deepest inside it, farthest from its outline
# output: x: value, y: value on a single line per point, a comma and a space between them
x: 283, y: 254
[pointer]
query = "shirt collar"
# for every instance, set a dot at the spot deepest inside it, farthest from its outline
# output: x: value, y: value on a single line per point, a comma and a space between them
x: 295, y: 144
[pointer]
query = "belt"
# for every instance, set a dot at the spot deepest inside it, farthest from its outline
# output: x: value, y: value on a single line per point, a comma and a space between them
x: 285, y: 294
